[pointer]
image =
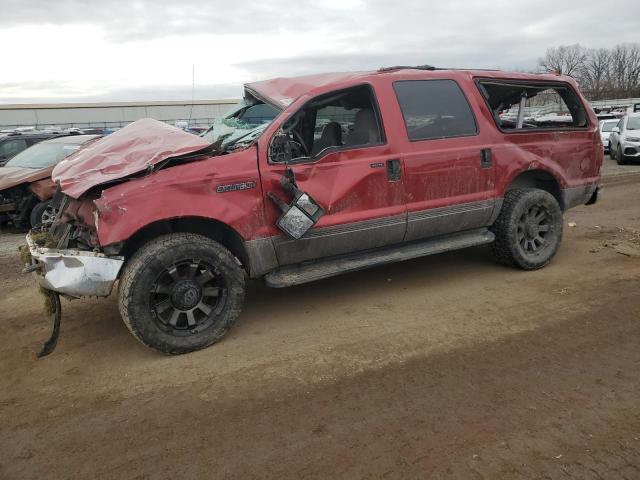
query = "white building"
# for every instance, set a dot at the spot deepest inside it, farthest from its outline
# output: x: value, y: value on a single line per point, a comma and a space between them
x: 114, y: 114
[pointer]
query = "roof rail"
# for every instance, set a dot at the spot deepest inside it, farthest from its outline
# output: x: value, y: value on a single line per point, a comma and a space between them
x: 405, y: 67
x: 432, y: 68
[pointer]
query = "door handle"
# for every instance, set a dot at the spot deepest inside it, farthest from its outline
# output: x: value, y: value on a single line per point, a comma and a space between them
x: 394, y: 170
x: 485, y: 158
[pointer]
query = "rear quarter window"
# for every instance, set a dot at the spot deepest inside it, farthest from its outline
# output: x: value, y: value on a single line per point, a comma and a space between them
x: 522, y: 106
x: 434, y: 109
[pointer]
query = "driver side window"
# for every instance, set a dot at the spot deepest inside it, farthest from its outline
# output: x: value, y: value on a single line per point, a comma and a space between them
x: 338, y: 120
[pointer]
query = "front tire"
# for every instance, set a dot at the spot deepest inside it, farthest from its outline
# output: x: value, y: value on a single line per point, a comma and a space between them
x: 181, y: 292
x: 619, y: 156
x: 528, y: 230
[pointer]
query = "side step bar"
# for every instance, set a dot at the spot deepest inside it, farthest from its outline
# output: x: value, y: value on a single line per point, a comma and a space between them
x: 329, y: 267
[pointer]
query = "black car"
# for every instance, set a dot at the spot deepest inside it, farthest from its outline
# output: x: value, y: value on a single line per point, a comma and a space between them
x: 13, y: 143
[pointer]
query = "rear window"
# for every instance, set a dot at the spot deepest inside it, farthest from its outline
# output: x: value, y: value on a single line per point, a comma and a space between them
x: 521, y: 106
x: 434, y: 109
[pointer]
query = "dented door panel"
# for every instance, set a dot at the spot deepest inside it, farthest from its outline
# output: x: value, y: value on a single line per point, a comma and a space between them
x: 363, y: 209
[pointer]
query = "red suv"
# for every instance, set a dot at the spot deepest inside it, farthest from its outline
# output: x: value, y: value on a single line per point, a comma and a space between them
x: 315, y: 176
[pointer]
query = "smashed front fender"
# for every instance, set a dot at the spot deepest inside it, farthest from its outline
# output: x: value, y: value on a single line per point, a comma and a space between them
x: 75, y: 273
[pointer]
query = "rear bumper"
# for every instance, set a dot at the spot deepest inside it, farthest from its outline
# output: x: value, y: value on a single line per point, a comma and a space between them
x: 582, y: 195
x: 75, y: 273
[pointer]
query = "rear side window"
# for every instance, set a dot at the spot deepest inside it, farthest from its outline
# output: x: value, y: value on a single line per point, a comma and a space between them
x: 519, y: 106
x: 434, y: 109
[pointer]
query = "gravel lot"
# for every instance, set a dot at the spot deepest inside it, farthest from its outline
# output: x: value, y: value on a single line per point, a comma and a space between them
x: 443, y: 367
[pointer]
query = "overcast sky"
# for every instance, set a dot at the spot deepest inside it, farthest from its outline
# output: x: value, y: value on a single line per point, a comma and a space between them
x: 85, y: 50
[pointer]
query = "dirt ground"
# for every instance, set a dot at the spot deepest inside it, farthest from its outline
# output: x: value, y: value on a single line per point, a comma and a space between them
x: 443, y: 367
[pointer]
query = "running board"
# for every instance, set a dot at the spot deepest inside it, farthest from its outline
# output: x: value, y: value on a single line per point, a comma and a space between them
x: 329, y: 267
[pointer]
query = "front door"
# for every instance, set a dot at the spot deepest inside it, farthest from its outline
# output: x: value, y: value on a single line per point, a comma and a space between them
x: 347, y: 166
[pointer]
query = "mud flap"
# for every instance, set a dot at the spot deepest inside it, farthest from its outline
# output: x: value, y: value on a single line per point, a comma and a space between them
x: 594, y: 197
x: 55, y: 310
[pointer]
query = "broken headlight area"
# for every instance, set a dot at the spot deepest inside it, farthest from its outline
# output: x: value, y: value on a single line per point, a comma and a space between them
x: 74, y: 225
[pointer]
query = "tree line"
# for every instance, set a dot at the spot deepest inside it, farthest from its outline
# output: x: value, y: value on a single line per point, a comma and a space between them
x: 602, y: 73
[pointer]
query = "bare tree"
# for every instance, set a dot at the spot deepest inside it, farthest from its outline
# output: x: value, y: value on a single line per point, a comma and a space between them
x: 594, y: 73
x: 601, y: 73
x: 565, y: 59
x: 624, y: 70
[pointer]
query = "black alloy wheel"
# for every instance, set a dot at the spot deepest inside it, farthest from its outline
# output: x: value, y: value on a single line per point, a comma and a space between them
x: 528, y: 229
x: 187, y: 297
x: 181, y: 292
x: 533, y: 228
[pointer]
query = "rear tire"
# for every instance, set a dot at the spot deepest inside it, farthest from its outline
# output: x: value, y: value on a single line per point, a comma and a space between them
x: 612, y: 153
x: 181, y: 292
x: 528, y: 230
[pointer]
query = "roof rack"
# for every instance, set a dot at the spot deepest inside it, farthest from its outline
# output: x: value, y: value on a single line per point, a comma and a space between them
x: 432, y: 68
x: 405, y: 67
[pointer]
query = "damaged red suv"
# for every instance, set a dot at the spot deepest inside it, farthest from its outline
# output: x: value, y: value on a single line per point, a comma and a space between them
x: 311, y: 177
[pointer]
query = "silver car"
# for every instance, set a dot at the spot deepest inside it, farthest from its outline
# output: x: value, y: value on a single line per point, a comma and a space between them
x: 625, y: 139
x: 606, y: 126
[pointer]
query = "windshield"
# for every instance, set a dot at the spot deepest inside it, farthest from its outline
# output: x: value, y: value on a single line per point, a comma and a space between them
x: 608, y: 126
x: 42, y: 155
x: 245, y: 122
x: 633, y: 123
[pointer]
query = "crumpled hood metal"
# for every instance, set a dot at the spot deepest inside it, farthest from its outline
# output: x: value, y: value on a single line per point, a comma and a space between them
x: 130, y: 150
x: 12, y: 176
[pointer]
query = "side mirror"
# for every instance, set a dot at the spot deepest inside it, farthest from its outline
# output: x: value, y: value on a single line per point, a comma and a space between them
x: 615, y: 130
x: 285, y: 150
x: 280, y: 149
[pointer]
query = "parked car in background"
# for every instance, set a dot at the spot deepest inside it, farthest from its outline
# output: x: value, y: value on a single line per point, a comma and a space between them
x: 15, y: 142
x: 312, y: 177
x: 625, y: 139
x: 605, y: 131
x: 25, y: 181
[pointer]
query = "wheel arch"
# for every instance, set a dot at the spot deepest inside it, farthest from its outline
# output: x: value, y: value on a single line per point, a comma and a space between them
x: 208, y: 227
x: 541, y: 179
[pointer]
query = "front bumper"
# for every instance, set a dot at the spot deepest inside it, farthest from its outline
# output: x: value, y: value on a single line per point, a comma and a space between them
x: 75, y: 273
x: 631, y: 150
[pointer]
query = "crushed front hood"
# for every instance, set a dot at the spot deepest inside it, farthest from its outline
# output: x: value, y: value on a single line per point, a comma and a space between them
x: 12, y: 176
x: 130, y: 150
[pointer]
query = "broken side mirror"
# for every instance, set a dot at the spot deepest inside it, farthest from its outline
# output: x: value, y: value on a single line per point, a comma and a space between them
x: 280, y: 149
x: 302, y: 213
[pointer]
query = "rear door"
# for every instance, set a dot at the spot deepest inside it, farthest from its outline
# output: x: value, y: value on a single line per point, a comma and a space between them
x: 449, y: 174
